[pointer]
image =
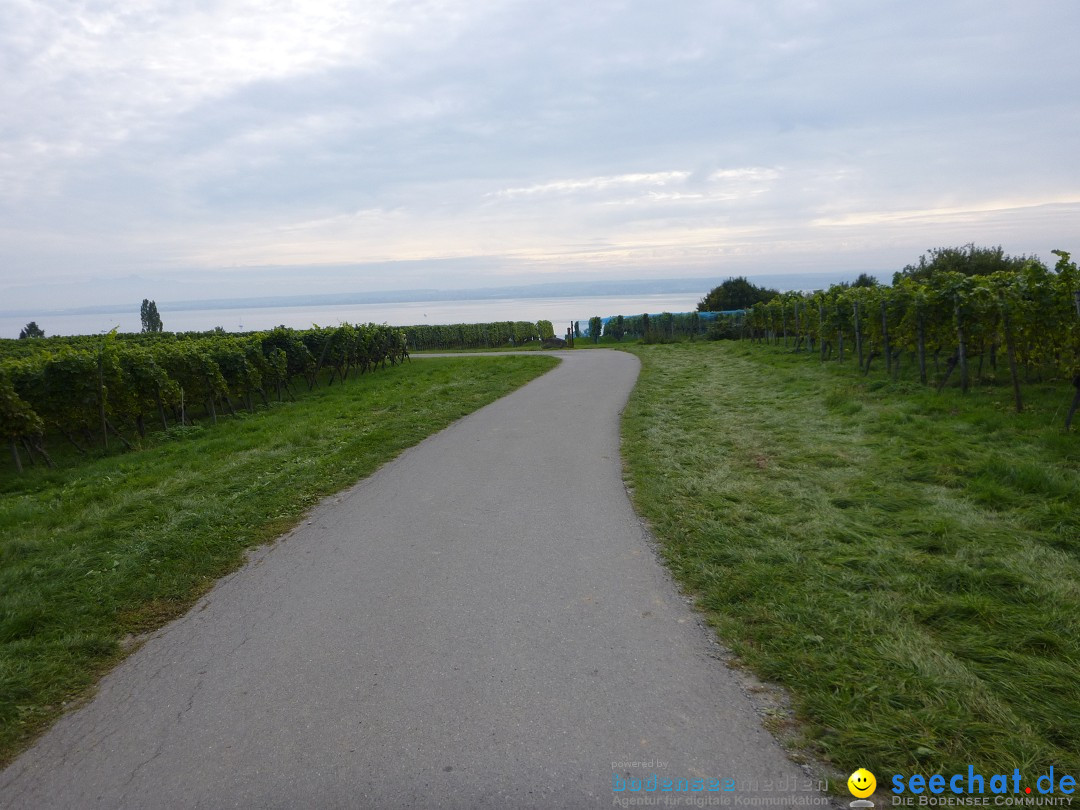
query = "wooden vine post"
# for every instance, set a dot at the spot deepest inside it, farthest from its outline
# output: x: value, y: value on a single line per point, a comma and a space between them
x: 1076, y: 378
x: 858, y: 333
x: 1010, y: 347
x: 961, y: 349
x: 1075, y: 403
x: 920, y: 337
x: 101, y: 395
x: 798, y: 331
x: 885, y: 335
x: 839, y: 335
x: 821, y: 328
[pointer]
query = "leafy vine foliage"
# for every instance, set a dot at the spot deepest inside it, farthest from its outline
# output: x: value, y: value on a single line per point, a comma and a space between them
x: 963, y: 313
x: 84, y: 390
x: 476, y: 335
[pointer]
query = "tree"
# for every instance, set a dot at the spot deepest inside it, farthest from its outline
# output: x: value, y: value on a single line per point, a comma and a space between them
x: 968, y: 260
x: 151, y: 320
x: 546, y: 329
x: 865, y: 280
x: 735, y: 293
x: 596, y: 325
x: 31, y: 330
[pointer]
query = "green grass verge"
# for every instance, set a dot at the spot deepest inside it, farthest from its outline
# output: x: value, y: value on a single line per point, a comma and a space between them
x: 94, y: 552
x: 905, y: 564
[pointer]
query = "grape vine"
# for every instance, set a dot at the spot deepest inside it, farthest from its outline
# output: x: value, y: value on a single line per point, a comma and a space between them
x: 88, y: 389
x: 952, y: 326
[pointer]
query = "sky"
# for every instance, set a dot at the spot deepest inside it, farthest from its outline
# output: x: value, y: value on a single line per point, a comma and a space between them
x: 193, y: 149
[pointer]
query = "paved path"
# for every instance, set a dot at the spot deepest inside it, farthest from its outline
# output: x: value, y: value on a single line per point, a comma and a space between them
x: 482, y: 623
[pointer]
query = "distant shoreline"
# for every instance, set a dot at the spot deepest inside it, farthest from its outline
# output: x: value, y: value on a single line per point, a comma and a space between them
x: 585, y: 289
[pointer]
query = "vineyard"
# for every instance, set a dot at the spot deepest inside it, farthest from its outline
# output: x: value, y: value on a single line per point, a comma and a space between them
x: 1023, y: 323
x: 476, y: 335
x: 1020, y: 323
x: 86, y: 390
x: 660, y: 328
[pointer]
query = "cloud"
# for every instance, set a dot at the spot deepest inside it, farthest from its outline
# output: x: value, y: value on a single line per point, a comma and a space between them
x: 594, y: 184
x: 153, y: 136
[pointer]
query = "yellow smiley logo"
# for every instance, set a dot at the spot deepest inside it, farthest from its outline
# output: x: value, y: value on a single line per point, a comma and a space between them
x: 861, y: 783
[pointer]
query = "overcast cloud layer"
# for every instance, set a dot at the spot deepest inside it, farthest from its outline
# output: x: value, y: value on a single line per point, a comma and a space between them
x: 465, y: 143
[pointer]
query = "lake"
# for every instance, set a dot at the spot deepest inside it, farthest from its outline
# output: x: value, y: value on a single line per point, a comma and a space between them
x: 560, y: 311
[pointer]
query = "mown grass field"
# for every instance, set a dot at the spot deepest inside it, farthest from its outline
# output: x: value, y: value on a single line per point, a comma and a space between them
x: 905, y: 564
x: 99, y: 551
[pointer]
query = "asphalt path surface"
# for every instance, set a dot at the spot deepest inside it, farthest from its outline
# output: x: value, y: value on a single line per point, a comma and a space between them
x: 481, y: 623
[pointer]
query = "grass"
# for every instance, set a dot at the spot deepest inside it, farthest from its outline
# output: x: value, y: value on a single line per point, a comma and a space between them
x: 96, y: 552
x: 905, y: 564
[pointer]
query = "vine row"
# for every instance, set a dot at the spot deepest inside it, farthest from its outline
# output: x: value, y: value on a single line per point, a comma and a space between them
x: 950, y: 326
x: 89, y: 389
